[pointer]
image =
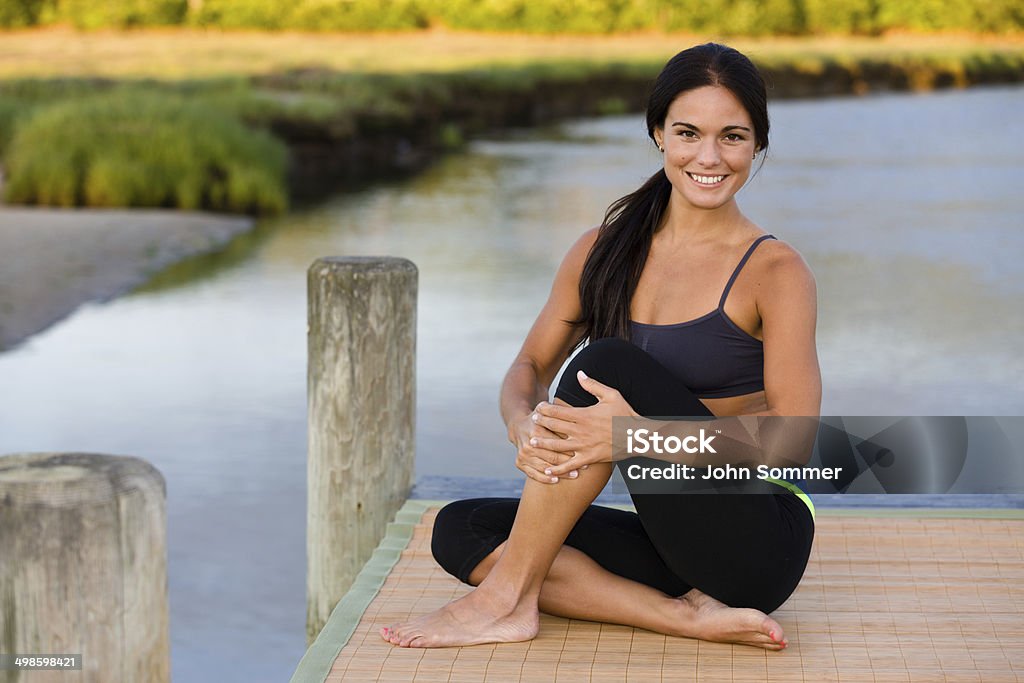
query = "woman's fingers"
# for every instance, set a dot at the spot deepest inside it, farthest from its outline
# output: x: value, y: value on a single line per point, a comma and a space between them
x: 559, y: 412
x: 603, y: 392
x: 554, y: 424
x: 536, y: 463
x: 561, y: 446
x: 573, y: 464
x: 537, y: 475
x: 539, y: 469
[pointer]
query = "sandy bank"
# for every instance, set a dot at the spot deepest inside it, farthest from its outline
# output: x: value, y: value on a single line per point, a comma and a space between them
x: 54, y: 260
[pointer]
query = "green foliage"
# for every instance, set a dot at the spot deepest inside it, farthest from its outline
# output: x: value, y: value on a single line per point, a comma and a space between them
x: 450, y: 136
x: 611, y: 106
x: 567, y: 16
x: 998, y: 15
x: 267, y: 14
x: 10, y: 112
x: 759, y: 18
x: 845, y: 17
x: 925, y: 15
x: 365, y: 15
x: 132, y: 148
x: 715, y: 17
x: 95, y: 14
x: 22, y: 13
x: 311, y: 15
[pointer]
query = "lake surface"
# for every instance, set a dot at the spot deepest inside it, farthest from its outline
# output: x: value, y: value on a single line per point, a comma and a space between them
x: 908, y: 208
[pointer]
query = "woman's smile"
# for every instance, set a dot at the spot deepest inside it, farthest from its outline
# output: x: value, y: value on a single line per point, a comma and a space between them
x: 707, y: 180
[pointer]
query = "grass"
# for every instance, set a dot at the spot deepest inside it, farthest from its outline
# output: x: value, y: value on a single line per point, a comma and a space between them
x: 126, y: 147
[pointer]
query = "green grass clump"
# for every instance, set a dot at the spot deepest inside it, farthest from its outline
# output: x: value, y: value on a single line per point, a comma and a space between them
x: 11, y: 112
x: 127, y: 148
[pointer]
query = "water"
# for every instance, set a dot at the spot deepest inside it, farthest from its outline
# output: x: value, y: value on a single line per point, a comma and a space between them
x: 907, y: 208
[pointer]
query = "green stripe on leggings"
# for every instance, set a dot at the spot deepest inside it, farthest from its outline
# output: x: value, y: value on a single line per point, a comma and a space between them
x: 794, y: 489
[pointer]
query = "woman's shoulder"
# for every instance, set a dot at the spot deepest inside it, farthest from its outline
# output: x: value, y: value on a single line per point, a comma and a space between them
x: 780, y: 267
x: 571, y: 269
x: 586, y: 241
x: 580, y: 249
x: 780, y: 258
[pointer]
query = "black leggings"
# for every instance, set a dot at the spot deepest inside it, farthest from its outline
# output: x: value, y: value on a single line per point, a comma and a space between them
x: 744, y: 550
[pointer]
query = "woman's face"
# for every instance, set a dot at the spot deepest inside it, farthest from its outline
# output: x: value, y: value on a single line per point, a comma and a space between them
x: 709, y: 145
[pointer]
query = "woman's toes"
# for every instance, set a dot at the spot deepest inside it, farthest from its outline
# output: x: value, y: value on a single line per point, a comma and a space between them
x: 773, y: 629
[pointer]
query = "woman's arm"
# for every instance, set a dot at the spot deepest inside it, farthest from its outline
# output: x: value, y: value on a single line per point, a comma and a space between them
x: 789, y: 315
x: 787, y: 303
x: 546, y: 347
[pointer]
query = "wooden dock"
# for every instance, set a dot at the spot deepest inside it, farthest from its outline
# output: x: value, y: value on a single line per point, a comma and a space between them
x: 889, y: 595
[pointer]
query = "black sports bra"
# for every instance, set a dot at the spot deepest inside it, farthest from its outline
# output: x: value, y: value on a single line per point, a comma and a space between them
x: 711, y: 354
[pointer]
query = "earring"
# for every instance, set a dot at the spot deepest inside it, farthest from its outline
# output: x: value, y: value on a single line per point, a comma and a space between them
x: 754, y: 156
x: 660, y: 148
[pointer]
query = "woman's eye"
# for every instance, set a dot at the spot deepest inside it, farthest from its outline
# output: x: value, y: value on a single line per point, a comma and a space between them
x: 687, y: 134
x: 733, y: 137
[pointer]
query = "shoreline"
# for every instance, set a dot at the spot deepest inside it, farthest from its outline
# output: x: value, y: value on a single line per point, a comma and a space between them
x: 353, y: 108
x: 54, y: 260
x: 444, y: 111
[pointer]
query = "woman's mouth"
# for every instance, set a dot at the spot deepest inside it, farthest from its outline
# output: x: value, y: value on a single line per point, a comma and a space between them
x: 707, y: 180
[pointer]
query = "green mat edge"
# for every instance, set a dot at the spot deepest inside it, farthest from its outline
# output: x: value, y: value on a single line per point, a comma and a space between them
x: 316, y: 664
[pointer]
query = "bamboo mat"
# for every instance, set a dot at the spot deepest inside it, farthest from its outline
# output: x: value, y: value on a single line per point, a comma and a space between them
x: 894, y: 595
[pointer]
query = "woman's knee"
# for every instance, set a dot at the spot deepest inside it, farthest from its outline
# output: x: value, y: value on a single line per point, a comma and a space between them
x: 465, y: 531
x: 447, y: 541
x: 601, y: 355
x: 602, y: 360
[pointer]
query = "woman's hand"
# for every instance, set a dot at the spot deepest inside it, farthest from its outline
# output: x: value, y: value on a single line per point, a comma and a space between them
x: 534, y: 462
x: 587, y: 431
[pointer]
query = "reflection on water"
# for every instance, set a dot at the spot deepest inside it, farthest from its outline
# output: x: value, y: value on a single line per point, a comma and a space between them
x: 906, y: 207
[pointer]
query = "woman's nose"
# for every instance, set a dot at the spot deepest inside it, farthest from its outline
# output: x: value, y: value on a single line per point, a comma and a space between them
x: 708, y: 154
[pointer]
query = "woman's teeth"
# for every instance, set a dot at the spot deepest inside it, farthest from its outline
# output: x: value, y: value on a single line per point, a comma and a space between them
x: 706, y: 179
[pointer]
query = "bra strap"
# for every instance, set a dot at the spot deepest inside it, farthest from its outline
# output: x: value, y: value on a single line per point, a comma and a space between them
x: 743, y: 262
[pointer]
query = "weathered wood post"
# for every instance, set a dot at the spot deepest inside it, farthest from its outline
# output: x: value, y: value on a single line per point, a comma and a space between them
x: 362, y: 410
x: 83, y: 566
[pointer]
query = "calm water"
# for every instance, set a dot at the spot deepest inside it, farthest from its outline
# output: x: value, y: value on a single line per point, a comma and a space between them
x: 908, y: 209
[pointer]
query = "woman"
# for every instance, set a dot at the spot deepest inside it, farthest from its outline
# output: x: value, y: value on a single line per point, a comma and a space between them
x: 700, y: 566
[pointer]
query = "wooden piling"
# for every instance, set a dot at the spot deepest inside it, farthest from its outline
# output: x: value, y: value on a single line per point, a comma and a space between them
x: 83, y: 566
x: 361, y: 408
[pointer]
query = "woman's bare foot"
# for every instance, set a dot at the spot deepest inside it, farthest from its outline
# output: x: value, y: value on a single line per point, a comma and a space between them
x: 705, y: 618
x: 482, y: 616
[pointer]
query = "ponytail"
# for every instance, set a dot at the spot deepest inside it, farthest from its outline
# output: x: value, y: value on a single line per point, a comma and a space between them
x: 613, y: 267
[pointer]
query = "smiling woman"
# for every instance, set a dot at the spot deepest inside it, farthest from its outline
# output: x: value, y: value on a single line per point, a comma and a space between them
x: 708, y: 157
x: 702, y: 566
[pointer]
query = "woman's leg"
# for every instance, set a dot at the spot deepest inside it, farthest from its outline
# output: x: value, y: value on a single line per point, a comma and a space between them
x: 504, y: 607
x: 744, y: 550
x: 604, y: 547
